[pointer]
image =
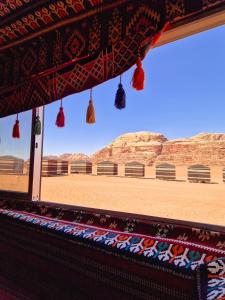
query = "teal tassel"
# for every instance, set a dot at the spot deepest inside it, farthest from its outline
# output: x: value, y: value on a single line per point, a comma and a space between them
x: 37, y: 126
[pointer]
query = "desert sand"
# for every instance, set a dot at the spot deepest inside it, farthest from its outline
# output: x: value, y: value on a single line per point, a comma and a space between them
x: 16, y: 183
x: 195, y: 202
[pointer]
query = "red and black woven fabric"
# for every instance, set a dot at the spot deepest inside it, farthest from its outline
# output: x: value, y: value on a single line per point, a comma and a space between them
x: 51, y: 49
x: 163, y: 229
x: 47, y: 258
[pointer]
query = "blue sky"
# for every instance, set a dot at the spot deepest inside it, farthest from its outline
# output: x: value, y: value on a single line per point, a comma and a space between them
x: 16, y: 147
x: 184, y: 95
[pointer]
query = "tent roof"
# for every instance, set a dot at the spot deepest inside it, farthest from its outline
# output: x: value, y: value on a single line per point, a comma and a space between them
x: 53, y: 48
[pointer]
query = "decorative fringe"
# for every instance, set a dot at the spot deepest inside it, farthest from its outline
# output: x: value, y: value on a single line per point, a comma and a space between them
x: 16, y: 129
x: 60, y: 120
x: 138, y: 77
x: 90, y: 116
x: 120, y: 100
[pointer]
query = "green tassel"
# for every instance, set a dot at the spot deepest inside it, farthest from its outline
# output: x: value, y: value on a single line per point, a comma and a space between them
x: 37, y: 127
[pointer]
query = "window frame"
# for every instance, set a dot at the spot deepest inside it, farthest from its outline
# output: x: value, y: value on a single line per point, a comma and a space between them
x: 4, y: 194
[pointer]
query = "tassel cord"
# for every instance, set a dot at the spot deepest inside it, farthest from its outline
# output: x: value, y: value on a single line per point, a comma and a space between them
x: 90, y: 116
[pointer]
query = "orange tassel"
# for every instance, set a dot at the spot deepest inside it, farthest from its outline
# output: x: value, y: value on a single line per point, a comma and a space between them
x: 16, y: 129
x: 138, y: 77
x: 60, y: 120
x: 90, y: 116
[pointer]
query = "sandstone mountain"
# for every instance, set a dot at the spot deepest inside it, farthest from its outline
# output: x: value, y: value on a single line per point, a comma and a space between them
x: 143, y: 147
x: 154, y: 148
x: 204, y: 148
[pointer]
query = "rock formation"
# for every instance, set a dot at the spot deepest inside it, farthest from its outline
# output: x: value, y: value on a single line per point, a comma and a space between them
x: 143, y: 147
x: 154, y: 148
x: 74, y: 156
x: 204, y: 148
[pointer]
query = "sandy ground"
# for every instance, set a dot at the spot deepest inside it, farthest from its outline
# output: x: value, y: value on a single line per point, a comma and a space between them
x: 196, y: 202
x: 17, y: 183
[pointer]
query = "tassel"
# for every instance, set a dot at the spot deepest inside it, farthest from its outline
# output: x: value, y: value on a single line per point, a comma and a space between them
x: 158, y: 34
x: 138, y: 77
x: 60, y: 120
x: 90, y: 117
x: 37, y: 126
x: 120, y: 101
x: 16, y: 129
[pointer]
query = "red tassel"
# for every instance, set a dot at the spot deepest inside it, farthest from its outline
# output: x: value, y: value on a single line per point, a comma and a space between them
x: 16, y: 129
x: 60, y: 120
x: 138, y: 77
x: 158, y: 35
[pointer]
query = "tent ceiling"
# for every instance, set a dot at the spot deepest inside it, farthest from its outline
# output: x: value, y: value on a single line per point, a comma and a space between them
x: 50, y: 49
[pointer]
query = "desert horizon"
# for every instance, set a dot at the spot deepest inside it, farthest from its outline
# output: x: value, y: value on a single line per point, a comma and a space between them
x: 152, y: 147
x: 195, y: 202
x: 146, y: 157
x: 147, y: 195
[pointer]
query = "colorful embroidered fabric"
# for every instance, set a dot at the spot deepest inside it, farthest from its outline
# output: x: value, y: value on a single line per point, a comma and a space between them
x: 178, y: 256
x: 214, y: 239
x: 212, y: 280
x: 75, y: 44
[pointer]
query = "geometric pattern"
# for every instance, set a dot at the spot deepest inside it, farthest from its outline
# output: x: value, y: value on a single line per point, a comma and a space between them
x: 175, y: 9
x: 212, y: 280
x: 29, y: 16
x: 115, y: 27
x: 197, y: 236
x: 75, y: 45
x: 94, y: 35
x: 6, y: 7
x: 57, y: 49
x: 169, y: 253
x: 64, y: 39
x: 29, y: 61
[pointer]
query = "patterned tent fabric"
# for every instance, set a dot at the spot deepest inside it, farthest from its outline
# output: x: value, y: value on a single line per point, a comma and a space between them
x: 51, y: 49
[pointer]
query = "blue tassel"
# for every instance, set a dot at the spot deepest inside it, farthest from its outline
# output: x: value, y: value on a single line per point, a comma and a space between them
x: 120, y: 101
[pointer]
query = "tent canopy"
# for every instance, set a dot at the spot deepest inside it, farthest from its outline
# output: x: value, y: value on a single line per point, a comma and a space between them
x: 50, y: 49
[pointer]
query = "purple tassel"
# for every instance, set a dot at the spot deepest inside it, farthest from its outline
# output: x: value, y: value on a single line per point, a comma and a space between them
x: 120, y: 101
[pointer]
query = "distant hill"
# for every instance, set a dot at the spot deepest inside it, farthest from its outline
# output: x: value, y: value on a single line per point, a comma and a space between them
x: 11, y: 157
x: 152, y: 148
x: 68, y: 156
x: 74, y: 156
x: 53, y: 157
